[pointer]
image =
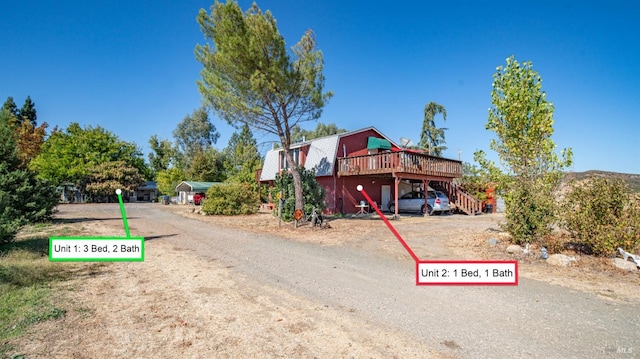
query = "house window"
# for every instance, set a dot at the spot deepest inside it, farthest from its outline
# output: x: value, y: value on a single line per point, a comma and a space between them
x: 295, y: 153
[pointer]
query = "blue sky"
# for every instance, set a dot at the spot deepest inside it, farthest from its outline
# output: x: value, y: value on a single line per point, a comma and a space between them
x: 129, y: 66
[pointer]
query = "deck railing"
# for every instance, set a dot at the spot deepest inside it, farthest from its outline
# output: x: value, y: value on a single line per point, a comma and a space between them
x: 400, y: 162
x: 464, y: 201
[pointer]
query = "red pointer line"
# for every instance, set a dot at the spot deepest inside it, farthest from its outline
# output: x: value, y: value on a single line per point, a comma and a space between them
x: 386, y: 221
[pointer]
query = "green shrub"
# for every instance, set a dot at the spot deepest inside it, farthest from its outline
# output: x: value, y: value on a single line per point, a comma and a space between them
x: 530, y: 210
x: 24, y: 198
x: 314, y: 195
x: 602, y: 214
x: 231, y: 199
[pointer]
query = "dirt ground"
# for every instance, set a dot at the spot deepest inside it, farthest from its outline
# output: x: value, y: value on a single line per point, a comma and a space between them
x: 454, y: 237
x: 168, y: 309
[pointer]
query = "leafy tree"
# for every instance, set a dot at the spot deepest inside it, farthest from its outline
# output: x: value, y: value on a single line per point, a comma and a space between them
x: 23, y: 197
x: 194, y: 153
x: 169, y: 179
x: 206, y: 165
x: 30, y: 141
x: 242, y: 158
x: 162, y: 155
x: 69, y: 155
x: 431, y: 136
x: 28, y: 112
x: 522, y: 120
x: 249, y: 77
x: 314, y: 194
x: 195, y: 133
x: 105, y: 178
x: 322, y: 130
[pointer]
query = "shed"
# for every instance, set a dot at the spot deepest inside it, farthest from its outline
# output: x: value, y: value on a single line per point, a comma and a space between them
x: 186, y: 190
x: 147, y: 192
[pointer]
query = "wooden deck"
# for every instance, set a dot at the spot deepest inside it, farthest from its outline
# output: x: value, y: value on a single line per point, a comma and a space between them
x: 401, y: 163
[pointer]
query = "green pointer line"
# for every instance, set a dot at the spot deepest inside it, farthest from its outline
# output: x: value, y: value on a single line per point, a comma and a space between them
x: 124, y: 216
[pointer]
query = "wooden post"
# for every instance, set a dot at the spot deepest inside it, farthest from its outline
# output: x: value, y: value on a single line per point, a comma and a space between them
x: 280, y: 201
x: 425, y: 186
x: 397, y: 181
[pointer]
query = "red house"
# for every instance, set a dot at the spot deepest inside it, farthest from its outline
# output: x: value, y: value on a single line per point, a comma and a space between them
x: 368, y: 157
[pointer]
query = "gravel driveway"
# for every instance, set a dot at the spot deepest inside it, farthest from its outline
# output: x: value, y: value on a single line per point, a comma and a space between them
x: 372, y: 290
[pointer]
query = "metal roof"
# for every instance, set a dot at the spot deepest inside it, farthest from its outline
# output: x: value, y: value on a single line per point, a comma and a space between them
x: 190, y: 186
x: 270, y: 166
x: 321, y: 156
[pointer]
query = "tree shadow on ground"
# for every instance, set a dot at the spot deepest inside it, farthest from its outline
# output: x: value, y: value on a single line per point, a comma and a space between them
x: 85, y: 219
x: 149, y: 238
x: 36, y: 245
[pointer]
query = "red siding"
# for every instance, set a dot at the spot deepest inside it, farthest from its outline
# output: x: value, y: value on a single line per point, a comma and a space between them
x: 341, y: 193
x: 356, y: 144
x: 304, y: 151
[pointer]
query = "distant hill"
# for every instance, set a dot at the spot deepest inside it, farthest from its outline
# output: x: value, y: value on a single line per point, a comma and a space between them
x: 632, y: 179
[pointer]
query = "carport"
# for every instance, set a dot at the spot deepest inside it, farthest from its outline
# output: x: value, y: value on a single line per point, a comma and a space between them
x: 186, y: 190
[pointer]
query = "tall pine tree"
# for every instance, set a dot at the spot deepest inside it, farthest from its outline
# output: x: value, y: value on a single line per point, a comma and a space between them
x: 28, y: 112
x: 10, y: 106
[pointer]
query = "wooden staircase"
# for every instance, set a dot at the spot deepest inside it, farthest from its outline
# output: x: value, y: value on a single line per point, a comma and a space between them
x: 462, y: 200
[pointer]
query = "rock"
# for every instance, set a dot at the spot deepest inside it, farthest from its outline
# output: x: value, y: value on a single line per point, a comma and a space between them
x: 514, y: 248
x: 543, y: 253
x: 559, y: 260
x: 625, y: 265
x: 493, y: 242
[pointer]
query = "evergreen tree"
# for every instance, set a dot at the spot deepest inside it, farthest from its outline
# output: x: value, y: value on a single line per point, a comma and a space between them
x: 314, y: 194
x: 432, y: 137
x: 23, y: 197
x: 250, y: 77
x: 28, y: 112
x: 242, y: 156
x: 10, y: 106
